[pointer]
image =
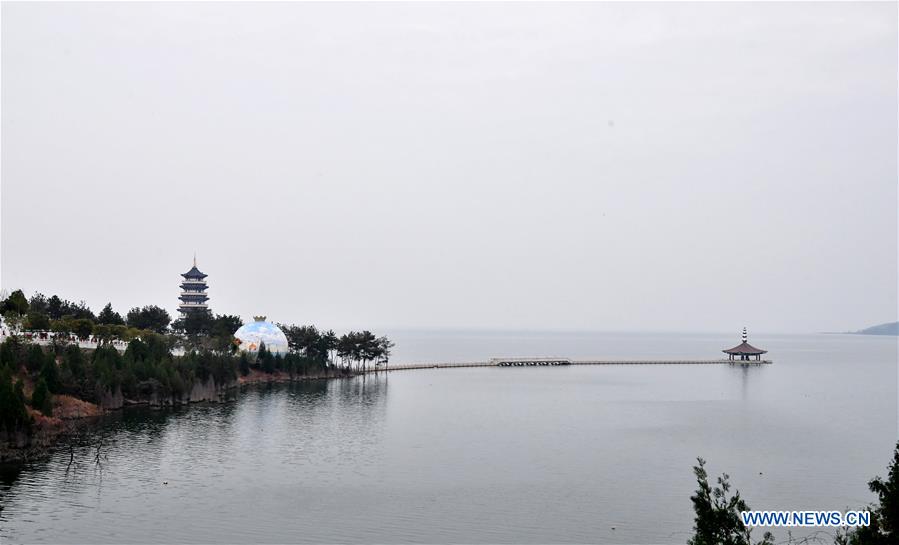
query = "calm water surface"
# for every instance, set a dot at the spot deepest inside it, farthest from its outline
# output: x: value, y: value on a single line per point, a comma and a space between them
x: 482, y: 455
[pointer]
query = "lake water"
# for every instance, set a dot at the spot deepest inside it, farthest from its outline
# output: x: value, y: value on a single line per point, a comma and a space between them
x: 536, y: 455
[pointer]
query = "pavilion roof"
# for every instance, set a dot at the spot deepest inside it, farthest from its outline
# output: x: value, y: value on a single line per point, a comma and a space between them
x: 194, y: 272
x: 745, y: 348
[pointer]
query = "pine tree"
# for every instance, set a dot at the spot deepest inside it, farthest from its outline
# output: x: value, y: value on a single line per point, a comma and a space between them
x: 244, y: 364
x: 41, y: 398
x: 13, y: 415
x: 35, y: 359
x: 16, y: 302
x: 718, y: 520
x: 266, y: 359
x: 50, y: 373
x: 884, y: 527
x: 109, y: 316
x: 9, y: 351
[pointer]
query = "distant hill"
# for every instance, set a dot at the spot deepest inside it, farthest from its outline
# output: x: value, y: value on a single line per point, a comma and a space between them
x: 891, y: 328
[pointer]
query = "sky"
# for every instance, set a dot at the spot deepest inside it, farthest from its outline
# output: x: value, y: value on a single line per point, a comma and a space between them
x: 589, y: 166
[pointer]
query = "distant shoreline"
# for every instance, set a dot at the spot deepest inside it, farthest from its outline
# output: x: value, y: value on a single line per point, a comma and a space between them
x: 889, y: 329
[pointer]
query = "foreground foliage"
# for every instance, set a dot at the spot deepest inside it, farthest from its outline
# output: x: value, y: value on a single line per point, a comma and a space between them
x: 718, y: 510
x: 718, y: 520
x: 884, y: 527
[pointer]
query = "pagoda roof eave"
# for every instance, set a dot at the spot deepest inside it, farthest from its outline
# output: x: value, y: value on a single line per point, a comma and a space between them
x: 194, y: 272
x: 745, y: 348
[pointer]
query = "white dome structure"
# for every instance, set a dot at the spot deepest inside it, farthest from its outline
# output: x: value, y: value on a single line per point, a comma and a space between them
x: 252, y: 335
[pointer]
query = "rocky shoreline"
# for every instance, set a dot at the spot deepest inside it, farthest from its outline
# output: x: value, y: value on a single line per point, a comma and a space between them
x: 71, y: 414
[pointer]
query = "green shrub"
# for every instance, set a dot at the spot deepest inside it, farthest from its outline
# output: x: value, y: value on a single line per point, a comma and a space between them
x: 13, y: 415
x: 9, y: 353
x: 50, y: 373
x: 35, y: 359
x: 41, y: 399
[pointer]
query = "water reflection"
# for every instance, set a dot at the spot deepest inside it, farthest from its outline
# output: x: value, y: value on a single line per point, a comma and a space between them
x: 473, y: 455
x: 744, y: 382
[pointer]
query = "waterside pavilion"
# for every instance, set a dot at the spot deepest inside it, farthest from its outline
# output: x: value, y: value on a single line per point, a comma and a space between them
x: 745, y: 351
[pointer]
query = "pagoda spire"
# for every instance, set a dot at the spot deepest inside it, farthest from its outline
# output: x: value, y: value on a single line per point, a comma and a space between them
x: 745, y: 337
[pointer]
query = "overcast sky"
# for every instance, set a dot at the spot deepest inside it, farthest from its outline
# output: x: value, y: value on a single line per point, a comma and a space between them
x: 680, y: 167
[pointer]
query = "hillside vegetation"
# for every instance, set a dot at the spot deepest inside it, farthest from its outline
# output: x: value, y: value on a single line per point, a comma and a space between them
x: 890, y: 328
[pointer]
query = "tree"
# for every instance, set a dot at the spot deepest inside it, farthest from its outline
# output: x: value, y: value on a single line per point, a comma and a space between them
x: 368, y: 347
x: 222, y: 332
x: 61, y: 326
x: 105, y: 333
x: 225, y: 325
x: 307, y: 341
x: 265, y: 359
x: 884, y: 527
x: 718, y: 520
x: 81, y: 311
x: 290, y: 364
x: 383, y: 350
x: 50, y: 373
x: 888, y: 494
x: 129, y: 333
x: 244, y: 364
x: 207, y: 333
x: 82, y: 327
x: 348, y: 348
x: 37, y: 321
x: 73, y: 358
x: 9, y: 354
x: 109, y: 316
x: 194, y: 323
x: 13, y: 320
x: 13, y: 415
x: 362, y: 348
x: 149, y: 317
x: 41, y: 399
x: 330, y: 342
x: 35, y: 359
x: 38, y: 303
x: 55, y: 307
x: 16, y: 302
x: 20, y: 390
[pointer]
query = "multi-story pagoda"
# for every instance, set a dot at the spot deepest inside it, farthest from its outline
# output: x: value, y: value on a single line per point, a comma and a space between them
x: 193, y: 291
